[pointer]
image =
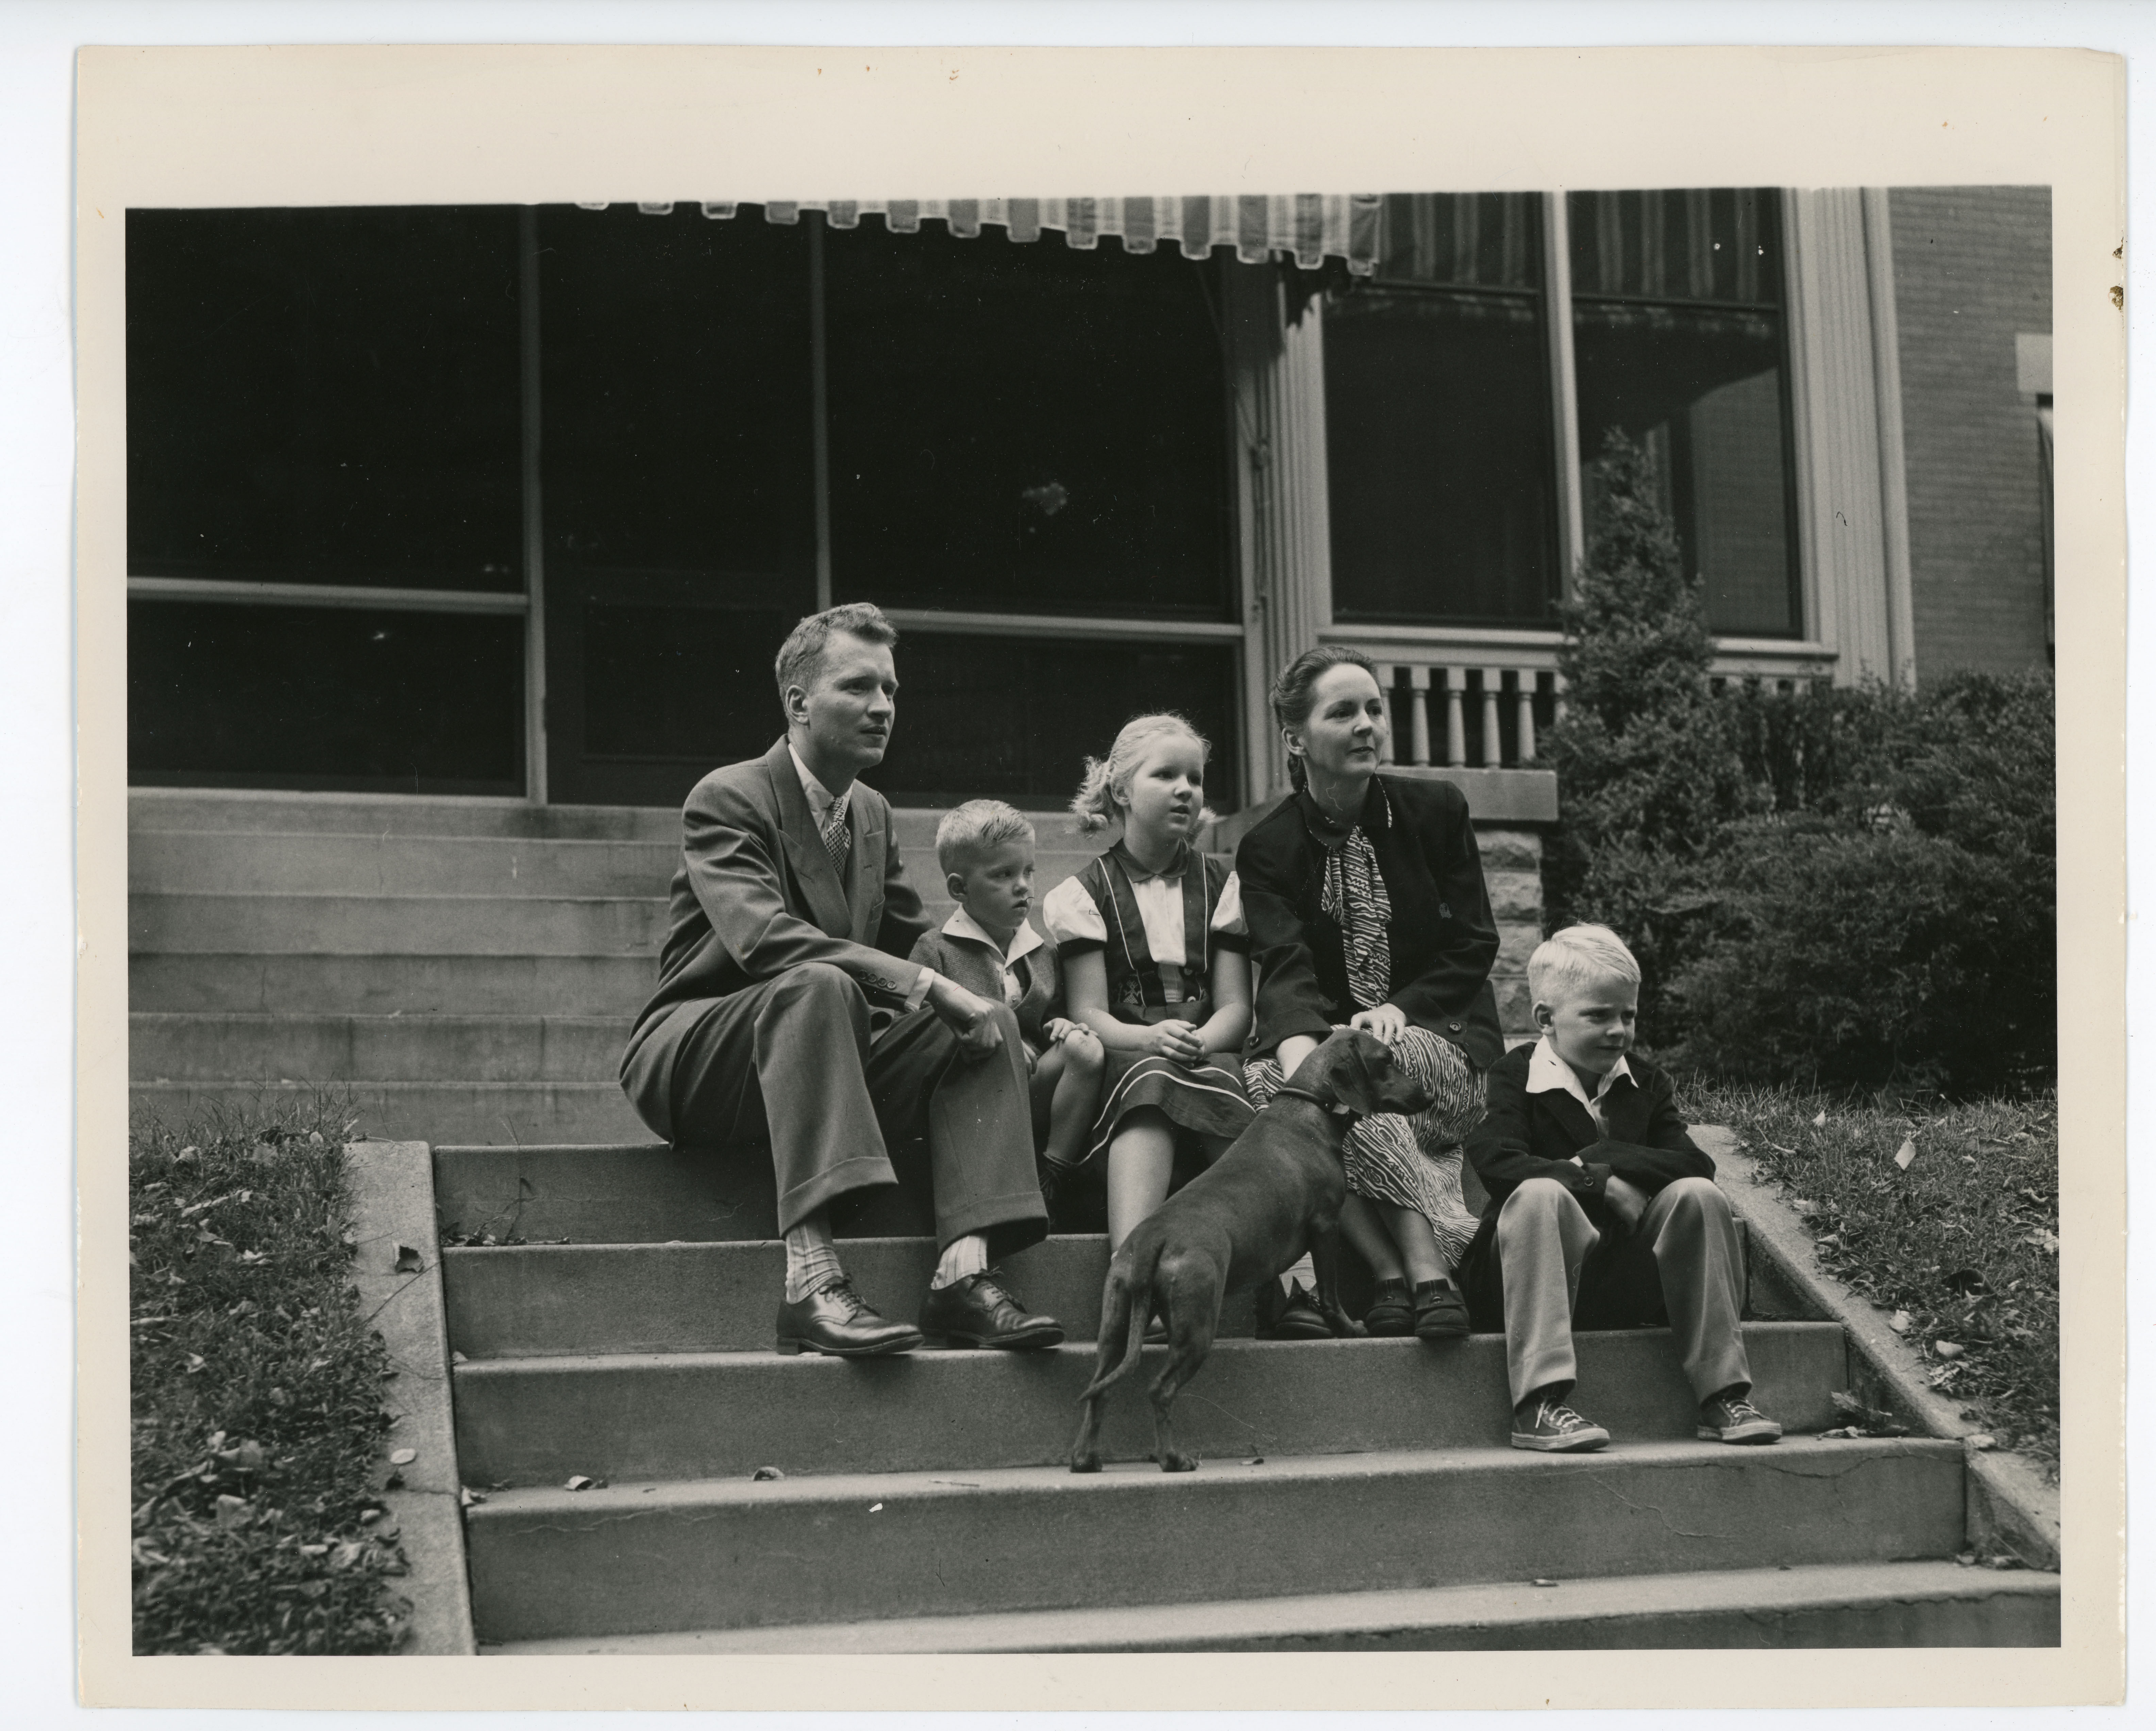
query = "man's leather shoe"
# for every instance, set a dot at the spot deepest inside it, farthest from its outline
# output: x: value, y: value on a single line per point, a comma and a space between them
x: 977, y: 1311
x: 834, y: 1320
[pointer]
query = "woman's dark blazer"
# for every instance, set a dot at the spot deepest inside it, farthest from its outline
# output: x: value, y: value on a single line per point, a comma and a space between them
x: 1443, y: 936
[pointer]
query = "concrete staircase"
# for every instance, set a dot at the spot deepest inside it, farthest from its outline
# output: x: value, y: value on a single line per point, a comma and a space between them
x: 467, y: 967
x: 1352, y: 1494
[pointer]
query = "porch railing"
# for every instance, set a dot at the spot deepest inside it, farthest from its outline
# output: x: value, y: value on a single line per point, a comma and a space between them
x: 1448, y: 711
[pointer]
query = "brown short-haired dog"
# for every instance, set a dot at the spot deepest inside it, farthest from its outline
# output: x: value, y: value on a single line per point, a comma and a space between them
x: 1276, y: 1192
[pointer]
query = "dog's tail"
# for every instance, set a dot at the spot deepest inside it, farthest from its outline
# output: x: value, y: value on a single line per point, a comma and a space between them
x: 1126, y: 1303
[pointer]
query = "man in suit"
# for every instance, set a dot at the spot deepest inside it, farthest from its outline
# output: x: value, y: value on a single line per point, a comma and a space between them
x: 786, y: 1012
x: 1603, y: 1212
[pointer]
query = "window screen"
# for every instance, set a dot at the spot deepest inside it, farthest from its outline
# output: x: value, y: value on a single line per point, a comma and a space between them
x: 1437, y: 413
x: 1025, y: 428
x: 324, y: 396
x: 1677, y: 323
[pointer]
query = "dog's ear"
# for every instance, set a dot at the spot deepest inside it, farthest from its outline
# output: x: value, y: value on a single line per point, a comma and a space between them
x: 1360, y: 1074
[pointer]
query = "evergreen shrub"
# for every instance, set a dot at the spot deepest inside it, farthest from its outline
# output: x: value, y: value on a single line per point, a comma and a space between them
x: 1855, y: 885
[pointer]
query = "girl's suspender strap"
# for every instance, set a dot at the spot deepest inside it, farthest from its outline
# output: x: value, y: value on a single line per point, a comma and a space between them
x: 1119, y: 909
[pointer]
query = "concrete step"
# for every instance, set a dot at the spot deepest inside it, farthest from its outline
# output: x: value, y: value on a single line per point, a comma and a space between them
x: 327, y: 864
x: 202, y: 1046
x: 641, y: 1192
x: 369, y: 925
x: 736, y: 1554
x: 1820, y: 1604
x: 716, y: 1416
x: 421, y: 1111
x: 540, y: 1301
x: 293, y: 813
x: 370, y: 983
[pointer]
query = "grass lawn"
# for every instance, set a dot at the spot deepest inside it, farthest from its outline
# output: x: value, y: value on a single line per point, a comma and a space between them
x: 1960, y: 1247
x: 255, y: 1393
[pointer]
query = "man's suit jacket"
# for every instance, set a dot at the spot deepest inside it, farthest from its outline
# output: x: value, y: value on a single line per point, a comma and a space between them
x: 1523, y: 1136
x: 756, y: 894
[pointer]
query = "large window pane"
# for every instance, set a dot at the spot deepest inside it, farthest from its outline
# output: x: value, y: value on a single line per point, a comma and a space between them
x: 676, y: 390
x: 1013, y: 719
x: 1025, y: 428
x: 1678, y: 340
x: 324, y: 697
x: 324, y: 396
x: 1438, y: 420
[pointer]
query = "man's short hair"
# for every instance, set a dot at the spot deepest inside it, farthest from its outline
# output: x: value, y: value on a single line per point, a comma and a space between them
x: 1575, y: 958
x: 970, y: 830
x: 801, y: 656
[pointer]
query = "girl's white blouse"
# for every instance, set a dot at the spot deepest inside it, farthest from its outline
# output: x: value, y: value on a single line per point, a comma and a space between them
x: 1070, y: 914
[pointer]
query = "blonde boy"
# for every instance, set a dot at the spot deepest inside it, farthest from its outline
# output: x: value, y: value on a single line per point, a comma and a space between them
x: 985, y: 849
x: 1603, y: 1214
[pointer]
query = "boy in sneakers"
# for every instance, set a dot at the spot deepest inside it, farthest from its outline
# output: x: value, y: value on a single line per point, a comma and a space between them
x: 1603, y: 1214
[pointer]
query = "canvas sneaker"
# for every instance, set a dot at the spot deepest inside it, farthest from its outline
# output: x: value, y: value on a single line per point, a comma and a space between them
x: 1554, y: 1428
x: 1731, y: 1418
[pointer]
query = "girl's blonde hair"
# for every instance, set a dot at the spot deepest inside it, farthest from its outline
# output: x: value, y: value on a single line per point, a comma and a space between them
x: 1094, y: 808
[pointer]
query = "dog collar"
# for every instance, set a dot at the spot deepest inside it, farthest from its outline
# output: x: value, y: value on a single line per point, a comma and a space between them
x: 1333, y: 1106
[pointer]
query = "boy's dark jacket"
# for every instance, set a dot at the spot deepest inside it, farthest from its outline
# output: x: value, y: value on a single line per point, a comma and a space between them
x: 972, y: 965
x: 1523, y: 1136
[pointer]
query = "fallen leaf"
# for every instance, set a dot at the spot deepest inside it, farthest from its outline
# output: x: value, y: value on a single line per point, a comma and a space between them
x: 195, y: 1362
x: 1539, y: 1581
x: 576, y: 1481
x: 369, y: 1514
x: 1805, y: 1206
x: 314, y: 1550
x: 187, y: 1153
x: 1899, y: 1321
x: 2043, y: 1239
x: 1820, y: 1119
x: 1966, y: 1558
x: 767, y: 1472
x: 875, y: 1508
x: 1981, y: 1441
x: 1949, y: 1349
x: 263, y: 1154
x: 232, y: 1511
x: 404, y: 1457
x: 408, y: 1261
x: 316, y: 1137
x: 466, y: 1496
x: 1905, y: 1153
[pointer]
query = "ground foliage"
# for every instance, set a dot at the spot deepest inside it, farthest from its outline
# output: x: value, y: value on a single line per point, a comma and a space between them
x: 1960, y: 1247
x: 256, y: 1392
x: 1854, y: 886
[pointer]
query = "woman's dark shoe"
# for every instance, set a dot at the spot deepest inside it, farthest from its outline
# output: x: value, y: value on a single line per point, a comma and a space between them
x: 1439, y: 1313
x: 1299, y: 1318
x: 1156, y: 1333
x: 834, y: 1320
x: 977, y: 1311
x: 1390, y: 1312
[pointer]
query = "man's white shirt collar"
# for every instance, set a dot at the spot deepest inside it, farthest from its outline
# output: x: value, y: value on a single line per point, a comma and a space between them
x: 961, y: 924
x: 821, y: 800
x: 1546, y: 1073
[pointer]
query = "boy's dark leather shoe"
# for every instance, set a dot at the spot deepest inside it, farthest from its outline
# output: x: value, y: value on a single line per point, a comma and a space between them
x: 977, y: 1311
x: 1391, y: 1311
x: 1440, y: 1311
x: 834, y: 1320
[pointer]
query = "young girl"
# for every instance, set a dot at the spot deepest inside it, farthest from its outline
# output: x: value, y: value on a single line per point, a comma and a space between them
x: 1155, y: 962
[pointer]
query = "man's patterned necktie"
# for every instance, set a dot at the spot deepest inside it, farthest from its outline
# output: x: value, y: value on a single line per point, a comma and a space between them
x: 836, y: 840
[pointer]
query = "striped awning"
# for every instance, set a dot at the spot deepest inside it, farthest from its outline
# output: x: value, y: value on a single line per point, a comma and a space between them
x: 1306, y: 227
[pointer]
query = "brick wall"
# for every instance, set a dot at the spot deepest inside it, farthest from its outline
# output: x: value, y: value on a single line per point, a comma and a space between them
x: 1972, y: 267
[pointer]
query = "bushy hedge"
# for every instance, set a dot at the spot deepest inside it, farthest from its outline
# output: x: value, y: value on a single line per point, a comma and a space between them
x: 1852, y: 885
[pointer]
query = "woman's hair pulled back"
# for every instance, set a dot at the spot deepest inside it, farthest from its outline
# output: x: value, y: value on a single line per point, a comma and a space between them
x: 1294, y: 691
x: 1095, y: 806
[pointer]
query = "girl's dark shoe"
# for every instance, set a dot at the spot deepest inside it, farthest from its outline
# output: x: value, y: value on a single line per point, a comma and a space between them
x: 1299, y: 1319
x: 1391, y: 1311
x: 1440, y: 1314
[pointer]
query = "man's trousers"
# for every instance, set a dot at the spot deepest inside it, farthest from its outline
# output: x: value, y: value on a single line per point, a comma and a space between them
x: 790, y: 1061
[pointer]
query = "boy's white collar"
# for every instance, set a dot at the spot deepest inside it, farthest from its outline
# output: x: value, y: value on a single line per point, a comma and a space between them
x: 1548, y: 1073
x: 961, y: 924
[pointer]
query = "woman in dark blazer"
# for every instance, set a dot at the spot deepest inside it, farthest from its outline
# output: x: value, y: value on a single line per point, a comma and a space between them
x: 1366, y: 908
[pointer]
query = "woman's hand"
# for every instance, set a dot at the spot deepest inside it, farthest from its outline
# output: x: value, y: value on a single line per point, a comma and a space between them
x: 1388, y: 1022
x: 1177, y: 1040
